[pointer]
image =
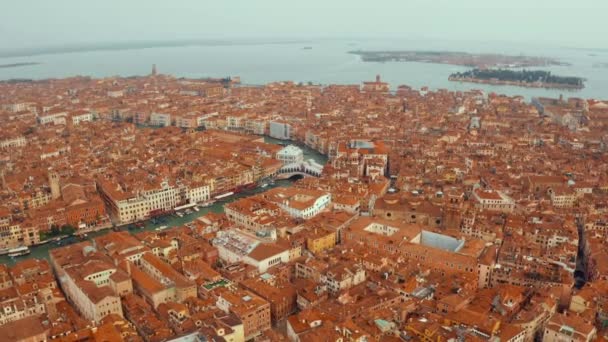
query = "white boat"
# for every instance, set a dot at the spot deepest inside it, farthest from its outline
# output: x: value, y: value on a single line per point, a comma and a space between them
x: 185, y: 206
x: 180, y: 214
x: 195, y: 208
x: 207, y: 204
x: 264, y: 185
x: 224, y: 195
x: 24, y: 250
x: 161, y: 228
x: 188, y: 211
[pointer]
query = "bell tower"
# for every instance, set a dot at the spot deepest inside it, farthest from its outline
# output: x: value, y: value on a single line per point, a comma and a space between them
x: 54, y: 184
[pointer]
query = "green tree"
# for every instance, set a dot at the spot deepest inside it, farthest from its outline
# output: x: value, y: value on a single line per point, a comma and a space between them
x: 68, y: 229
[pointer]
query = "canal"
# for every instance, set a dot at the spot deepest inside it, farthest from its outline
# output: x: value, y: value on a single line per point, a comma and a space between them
x: 42, y: 251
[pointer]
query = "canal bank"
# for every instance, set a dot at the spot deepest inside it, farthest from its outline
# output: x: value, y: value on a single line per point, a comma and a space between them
x: 42, y: 251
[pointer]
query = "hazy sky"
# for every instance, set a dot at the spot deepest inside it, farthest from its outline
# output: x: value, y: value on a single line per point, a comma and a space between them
x: 30, y: 23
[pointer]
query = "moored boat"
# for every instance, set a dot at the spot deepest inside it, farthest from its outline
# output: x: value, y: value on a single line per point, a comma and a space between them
x: 228, y: 194
x: 207, y: 204
x: 19, y: 251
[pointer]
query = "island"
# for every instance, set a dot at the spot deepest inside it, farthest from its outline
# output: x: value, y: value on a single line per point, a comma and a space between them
x: 457, y: 58
x: 14, y: 65
x: 520, y: 78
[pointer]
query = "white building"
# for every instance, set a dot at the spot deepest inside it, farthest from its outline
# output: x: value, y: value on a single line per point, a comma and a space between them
x: 290, y: 155
x: 198, y: 194
x: 299, y: 203
x: 562, y: 197
x: 201, y: 119
x: 340, y: 278
x: 56, y: 117
x: 93, y: 302
x: 232, y: 246
x: 160, y: 119
x: 493, y: 201
x: 18, y: 106
x: 81, y: 116
x: 280, y: 130
x: 265, y: 256
x: 11, y: 142
x: 116, y: 93
x: 16, y: 308
x: 134, y: 206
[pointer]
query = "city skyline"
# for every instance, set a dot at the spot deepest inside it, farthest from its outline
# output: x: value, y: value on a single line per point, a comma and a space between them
x: 275, y: 171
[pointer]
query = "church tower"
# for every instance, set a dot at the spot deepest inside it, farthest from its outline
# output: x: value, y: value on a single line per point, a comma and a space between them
x: 54, y: 183
x: 153, y: 69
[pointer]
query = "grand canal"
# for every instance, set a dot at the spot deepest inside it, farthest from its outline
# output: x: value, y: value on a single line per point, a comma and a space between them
x: 42, y: 251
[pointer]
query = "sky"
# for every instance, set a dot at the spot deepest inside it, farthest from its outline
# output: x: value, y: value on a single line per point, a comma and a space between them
x: 41, y: 23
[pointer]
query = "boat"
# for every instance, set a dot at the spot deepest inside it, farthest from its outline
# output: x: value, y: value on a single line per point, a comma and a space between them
x: 180, y: 214
x: 195, y: 208
x: 15, y: 252
x: 218, y: 197
x: 207, y: 204
x: 264, y: 185
x: 161, y: 228
x: 188, y: 211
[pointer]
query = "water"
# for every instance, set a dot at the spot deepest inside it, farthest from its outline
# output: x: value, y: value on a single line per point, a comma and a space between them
x: 42, y: 252
x: 327, y: 62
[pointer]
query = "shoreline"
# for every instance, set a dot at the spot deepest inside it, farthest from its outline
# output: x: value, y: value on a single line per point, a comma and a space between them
x: 457, y: 58
x: 515, y: 84
x: 16, y: 65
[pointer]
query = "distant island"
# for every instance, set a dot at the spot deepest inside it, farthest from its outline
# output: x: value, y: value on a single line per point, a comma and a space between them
x: 457, y: 58
x: 137, y: 45
x: 520, y: 78
x: 15, y: 65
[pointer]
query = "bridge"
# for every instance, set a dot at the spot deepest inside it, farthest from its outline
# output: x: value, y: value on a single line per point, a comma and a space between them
x: 309, y: 168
